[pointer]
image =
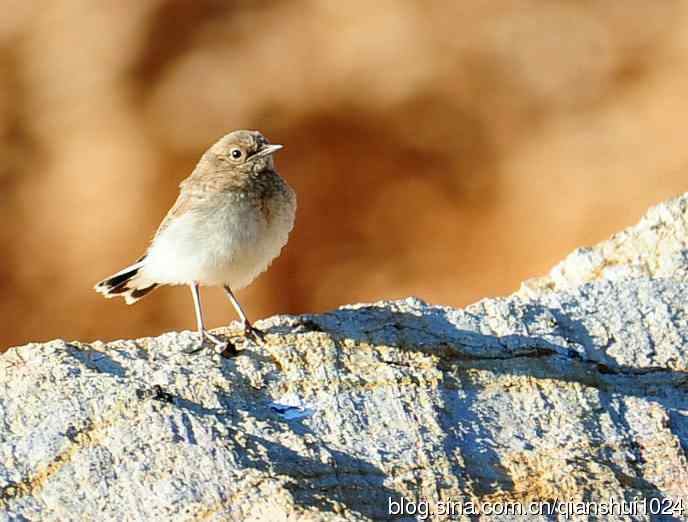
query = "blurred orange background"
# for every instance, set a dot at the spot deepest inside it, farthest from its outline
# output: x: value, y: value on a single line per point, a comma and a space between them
x: 441, y: 149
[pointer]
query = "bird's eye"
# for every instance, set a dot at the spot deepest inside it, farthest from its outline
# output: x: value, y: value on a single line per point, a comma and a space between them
x: 236, y: 153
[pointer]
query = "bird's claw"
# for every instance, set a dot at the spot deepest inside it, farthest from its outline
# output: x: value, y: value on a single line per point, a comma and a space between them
x: 253, y: 333
x: 224, y: 346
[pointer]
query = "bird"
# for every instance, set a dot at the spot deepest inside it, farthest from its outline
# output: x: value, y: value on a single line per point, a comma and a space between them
x: 231, y: 219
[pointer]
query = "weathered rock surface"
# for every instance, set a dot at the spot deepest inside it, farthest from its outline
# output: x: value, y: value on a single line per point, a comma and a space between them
x: 574, y: 388
x: 654, y: 248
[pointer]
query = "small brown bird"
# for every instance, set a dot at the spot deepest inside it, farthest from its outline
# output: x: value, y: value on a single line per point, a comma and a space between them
x: 231, y: 219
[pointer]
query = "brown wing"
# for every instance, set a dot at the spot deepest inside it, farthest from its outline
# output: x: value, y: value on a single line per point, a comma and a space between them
x: 185, y: 201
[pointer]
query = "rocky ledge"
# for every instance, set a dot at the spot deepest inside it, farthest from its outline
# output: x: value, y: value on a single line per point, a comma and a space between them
x: 574, y: 388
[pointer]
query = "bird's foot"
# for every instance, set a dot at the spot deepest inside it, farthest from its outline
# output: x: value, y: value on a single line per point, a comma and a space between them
x: 253, y: 333
x: 205, y: 335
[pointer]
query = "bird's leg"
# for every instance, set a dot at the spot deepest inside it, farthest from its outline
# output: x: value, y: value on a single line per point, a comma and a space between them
x: 202, y: 332
x: 249, y: 330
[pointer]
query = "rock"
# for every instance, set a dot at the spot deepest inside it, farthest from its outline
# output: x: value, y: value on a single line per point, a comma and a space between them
x: 654, y: 248
x: 573, y: 389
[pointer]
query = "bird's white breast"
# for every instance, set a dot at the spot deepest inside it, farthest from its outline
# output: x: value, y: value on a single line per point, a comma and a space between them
x: 227, y: 243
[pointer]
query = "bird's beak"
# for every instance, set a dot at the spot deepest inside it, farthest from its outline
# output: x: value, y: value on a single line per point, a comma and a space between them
x: 267, y: 150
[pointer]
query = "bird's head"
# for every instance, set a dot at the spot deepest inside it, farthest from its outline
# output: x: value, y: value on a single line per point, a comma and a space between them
x: 244, y: 151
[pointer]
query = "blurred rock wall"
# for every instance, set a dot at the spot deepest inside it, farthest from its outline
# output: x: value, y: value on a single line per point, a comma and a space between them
x: 447, y: 149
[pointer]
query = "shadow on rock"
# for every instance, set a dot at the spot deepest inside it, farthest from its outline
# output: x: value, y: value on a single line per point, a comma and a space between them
x: 323, y: 479
x: 97, y: 360
x: 577, y: 360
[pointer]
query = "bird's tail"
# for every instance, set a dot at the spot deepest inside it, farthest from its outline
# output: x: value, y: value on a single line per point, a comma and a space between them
x: 127, y: 283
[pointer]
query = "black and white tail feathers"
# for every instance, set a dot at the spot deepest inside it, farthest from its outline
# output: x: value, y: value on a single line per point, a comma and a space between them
x: 126, y: 283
